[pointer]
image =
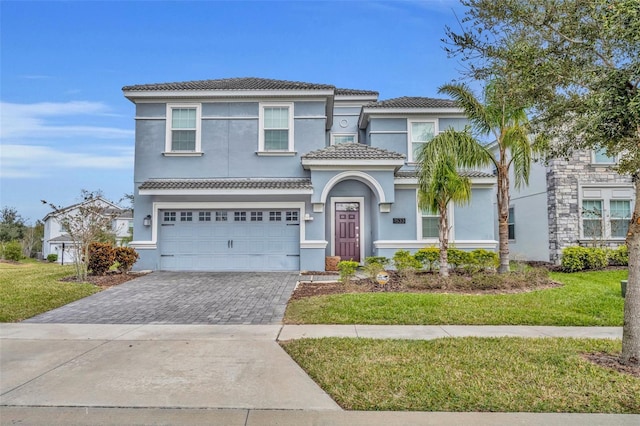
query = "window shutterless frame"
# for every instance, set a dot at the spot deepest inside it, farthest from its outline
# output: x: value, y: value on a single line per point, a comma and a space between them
x: 183, y: 129
x: 419, y: 133
x: 276, y: 127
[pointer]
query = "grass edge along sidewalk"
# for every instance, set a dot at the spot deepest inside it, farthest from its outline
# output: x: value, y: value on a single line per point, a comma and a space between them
x: 504, y: 374
x: 585, y: 299
x: 29, y: 288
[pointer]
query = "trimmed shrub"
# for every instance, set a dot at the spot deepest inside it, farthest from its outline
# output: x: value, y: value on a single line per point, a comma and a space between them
x: 101, y: 257
x: 573, y: 259
x: 347, y: 270
x: 405, y: 262
x: 373, y: 265
x: 52, y: 257
x: 485, y: 259
x: 428, y: 256
x: 13, y: 250
x: 459, y: 258
x: 125, y: 257
x: 596, y: 258
x: 619, y: 256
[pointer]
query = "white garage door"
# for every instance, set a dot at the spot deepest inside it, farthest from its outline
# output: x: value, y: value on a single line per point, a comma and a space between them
x: 231, y: 240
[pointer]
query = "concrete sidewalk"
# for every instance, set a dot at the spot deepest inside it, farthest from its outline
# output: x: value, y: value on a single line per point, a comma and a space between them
x: 208, y: 374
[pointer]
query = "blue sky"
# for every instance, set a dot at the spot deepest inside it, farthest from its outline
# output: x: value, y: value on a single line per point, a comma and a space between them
x: 65, y: 125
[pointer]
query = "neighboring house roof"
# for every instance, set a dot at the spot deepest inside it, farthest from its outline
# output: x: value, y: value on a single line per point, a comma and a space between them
x: 126, y: 214
x: 64, y: 238
x: 228, y: 184
x: 352, y: 151
x: 413, y: 102
x: 112, y: 207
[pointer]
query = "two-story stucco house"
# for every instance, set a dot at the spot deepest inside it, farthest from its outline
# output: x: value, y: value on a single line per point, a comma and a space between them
x: 260, y: 174
x: 57, y: 241
x: 579, y: 201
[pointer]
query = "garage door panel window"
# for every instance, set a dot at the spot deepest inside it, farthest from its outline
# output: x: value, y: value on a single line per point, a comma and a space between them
x: 256, y: 216
x: 292, y: 216
x: 204, y: 216
x: 186, y: 216
x: 275, y: 216
x: 221, y: 216
x: 169, y: 216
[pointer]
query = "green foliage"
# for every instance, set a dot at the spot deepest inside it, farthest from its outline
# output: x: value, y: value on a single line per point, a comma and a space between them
x: 619, y: 256
x: 375, y: 264
x: 347, y: 270
x: 101, y: 257
x: 428, y: 256
x: 459, y: 258
x: 12, y: 251
x: 11, y: 225
x: 52, y: 257
x: 485, y: 259
x: 405, y: 262
x: 125, y: 257
x: 578, y: 258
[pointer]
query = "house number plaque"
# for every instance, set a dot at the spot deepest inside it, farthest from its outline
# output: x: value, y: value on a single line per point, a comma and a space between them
x: 401, y: 220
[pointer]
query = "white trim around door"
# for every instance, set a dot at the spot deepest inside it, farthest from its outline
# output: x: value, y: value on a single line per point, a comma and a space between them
x: 359, y: 200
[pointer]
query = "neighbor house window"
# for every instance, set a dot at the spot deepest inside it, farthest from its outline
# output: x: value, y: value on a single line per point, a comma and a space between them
x: 619, y: 217
x: 512, y: 224
x: 430, y: 224
x: 183, y: 128
x: 420, y: 132
x: 592, y: 218
x: 600, y: 157
x: 276, y: 128
x: 345, y: 138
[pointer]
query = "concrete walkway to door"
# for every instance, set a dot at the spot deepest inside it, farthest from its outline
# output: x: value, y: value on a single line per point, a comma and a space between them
x: 184, y: 298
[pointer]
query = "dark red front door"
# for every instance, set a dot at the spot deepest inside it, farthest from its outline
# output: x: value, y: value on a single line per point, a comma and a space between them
x: 347, y: 236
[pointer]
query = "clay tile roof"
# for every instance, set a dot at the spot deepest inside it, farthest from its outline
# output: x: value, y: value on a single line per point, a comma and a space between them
x: 228, y: 183
x: 413, y: 102
x: 412, y: 174
x: 352, y: 151
x: 349, y: 92
x: 241, y: 83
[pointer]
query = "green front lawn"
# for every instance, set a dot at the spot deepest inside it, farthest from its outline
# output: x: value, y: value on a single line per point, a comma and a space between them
x: 468, y: 374
x: 586, y: 299
x: 30, y: 288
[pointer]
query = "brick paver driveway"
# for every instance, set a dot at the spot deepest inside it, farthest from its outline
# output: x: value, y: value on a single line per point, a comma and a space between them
x: 184, y: 298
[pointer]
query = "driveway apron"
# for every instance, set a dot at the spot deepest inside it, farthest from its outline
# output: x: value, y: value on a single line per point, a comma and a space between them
x: 184, y: 298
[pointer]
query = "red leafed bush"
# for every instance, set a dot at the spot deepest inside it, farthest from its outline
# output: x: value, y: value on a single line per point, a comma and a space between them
x: 101, y: 257
x: 126, y: 257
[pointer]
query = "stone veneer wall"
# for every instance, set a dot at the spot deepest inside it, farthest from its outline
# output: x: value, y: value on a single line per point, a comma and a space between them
x: 564, y: 179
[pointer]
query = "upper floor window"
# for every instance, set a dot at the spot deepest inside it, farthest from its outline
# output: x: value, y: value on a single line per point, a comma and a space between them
x: 343, y: 138
x: 276, y: 128
x: 600, y: 157
x: 420, y: 132
x: 183, y: 128
x: 512, y: 223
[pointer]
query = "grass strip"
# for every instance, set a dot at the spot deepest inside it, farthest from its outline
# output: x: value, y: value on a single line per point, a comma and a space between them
x: 468, y: 374
x: 586, y: 299
x: 30, y: 288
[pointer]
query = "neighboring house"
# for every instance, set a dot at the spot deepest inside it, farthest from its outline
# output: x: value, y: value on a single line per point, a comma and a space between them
x: 57, y: 241
x: 259, y: 174
x: 580, y: 201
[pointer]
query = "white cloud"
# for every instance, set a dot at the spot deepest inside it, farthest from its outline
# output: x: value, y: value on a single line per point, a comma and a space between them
x: 38, y: 121
x: 30, y: 161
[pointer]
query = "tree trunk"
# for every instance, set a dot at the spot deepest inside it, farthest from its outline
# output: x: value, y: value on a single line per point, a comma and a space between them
x: 631, y: 329
x: 503, y: 217
x: 443, y: 232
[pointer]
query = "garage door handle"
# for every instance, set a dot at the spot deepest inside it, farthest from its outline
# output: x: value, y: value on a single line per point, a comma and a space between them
x: 166, y: 255
x: 229, y: 243
x: 294, y: 255
x: 293, y: 224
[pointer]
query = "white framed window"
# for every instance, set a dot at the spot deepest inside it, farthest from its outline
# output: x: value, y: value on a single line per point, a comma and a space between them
x: 420, y: 132
x: 183, y: 129
x: 619, y: 217
x: 592, y: 218
x: 276, y: 128
x: 600, y: 156
x: 430, y: 224
x: 337, y: 138
x: 512, y: 223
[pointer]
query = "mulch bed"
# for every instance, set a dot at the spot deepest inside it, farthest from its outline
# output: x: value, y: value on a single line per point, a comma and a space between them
x: 613, y: 362
x: 108, y: 280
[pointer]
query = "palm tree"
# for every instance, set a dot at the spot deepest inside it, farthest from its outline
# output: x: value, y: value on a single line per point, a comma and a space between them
x: 508, y: 124
x: 439, y: 180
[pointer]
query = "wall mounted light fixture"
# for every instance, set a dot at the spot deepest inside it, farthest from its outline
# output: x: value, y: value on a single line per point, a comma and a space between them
x: 147, y: 220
